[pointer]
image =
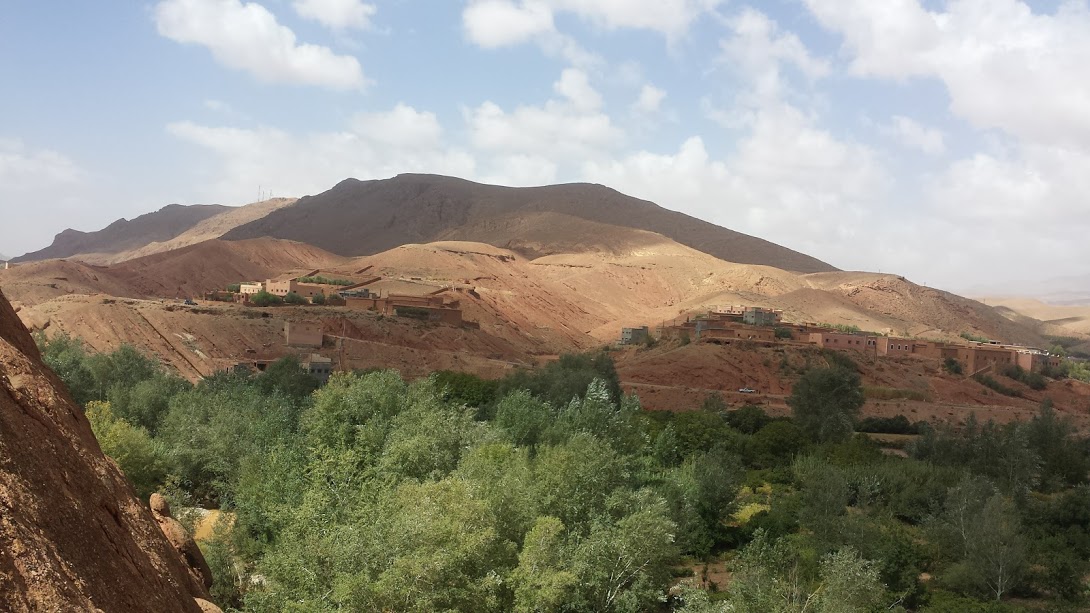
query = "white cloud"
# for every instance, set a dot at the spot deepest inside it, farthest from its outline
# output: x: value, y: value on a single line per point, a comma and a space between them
x: 493, y: 24
x: 295, y: 165
x: 575, y: 86
x: 41, y: 191
x: 246, y: 36
x: 1004, y: 66
x: 337, y: 14
x: 649, y: 100
x: 26, y: 169
x: 566, y: 130
x: 915, y: 135
x: 501, y: 23
x: 403, y: 126
x: 759, y: 52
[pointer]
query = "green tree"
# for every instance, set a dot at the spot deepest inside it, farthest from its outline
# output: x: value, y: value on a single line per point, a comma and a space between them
x: 265, y: 299
x: 825, y: 403
x: 543, y: 580
x: 294, y: 298
x: 138, y: 456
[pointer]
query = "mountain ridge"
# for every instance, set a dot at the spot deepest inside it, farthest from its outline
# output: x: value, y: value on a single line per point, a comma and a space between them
x: 161, y: 225
x: 356, y: 218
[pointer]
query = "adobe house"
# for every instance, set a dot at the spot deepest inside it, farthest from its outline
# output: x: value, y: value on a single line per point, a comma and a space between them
x: 307, y: 334
x: 249, y: 289
x: 889, y: 345
x: 634, y: 336
x: 319, y: 367
x: 839, y: 340
x: 760, y: 316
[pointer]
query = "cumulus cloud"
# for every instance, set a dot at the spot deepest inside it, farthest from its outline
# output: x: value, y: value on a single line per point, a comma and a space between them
x: 299, y: 164
x: 337, y: 14
x: 246, y: 36
x: 44, y: 186
x: 500, y: 23
x: 565, y: 130
x: 1004, y: 66
x: 649, y: 100
x: 403, y: 126
x: 915, y: 135
x: 575, y: 86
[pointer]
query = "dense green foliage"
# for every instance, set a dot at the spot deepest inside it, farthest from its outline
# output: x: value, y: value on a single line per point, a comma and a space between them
x: 294, y: 298
x: 826, y: 401
x: 991, y: 383
x: 324, y: 280
x: 551, y: 491
x: 952, y: 366
x: 976, y: 338
x: 265, y: 299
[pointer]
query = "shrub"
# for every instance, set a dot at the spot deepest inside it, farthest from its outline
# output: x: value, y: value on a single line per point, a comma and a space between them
x: 989, y: 382
x: 234, y: 288
x: 320, y: 280
x: 975, y: 338
x: 412, y: 312
x: 319, y: 299
x: 1035, y: 381
x: 784, y: 333
x: 264, y: 299
x: 294, y: 298
x: 952, y: 366
x: 889, y: 425
x: 892, y: 393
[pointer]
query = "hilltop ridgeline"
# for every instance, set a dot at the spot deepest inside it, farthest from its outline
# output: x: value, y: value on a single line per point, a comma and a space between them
x: 366, y: 217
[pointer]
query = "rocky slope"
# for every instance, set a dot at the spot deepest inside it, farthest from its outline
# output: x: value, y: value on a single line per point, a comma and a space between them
x: 162, y: 225
x: 73, y: 536
x: 366, y: 217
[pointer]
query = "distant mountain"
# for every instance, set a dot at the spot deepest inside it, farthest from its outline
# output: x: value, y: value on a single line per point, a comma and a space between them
x: 162, y: 225
x: 367, y: 217
x: 1062, y: 291
x: 4, y: 258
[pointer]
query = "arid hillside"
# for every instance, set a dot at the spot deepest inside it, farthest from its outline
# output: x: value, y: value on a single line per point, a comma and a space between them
x: 368, y: 217
x: 73, y: 536
x: 182, y: 273
x: 673, y: 377
x: 123, y: 234
x: 206, y: 230
x: 535, y: 307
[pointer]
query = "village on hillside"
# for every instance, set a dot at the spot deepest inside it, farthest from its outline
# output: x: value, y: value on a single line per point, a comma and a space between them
x: 728, y: 325
x: 739, y: 325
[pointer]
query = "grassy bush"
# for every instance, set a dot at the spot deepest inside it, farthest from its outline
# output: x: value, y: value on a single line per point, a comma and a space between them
x: 264, y: 299
x: 294, y: 298
x: 784, y: 333
x: 1035, y: 381
x: 975, y: 338
x: 989, y: 382
x: 324, y: 280
x: 952, y: 366
x: 889, y: 425
x: 234, y: 288
x: 892, y: 393
x: 413, y: 313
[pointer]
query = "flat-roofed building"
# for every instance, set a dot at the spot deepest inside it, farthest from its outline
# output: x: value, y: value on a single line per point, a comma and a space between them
x: 306, y: 334
x: 249, y: 289
x: 634, y: 336
x: 319, y: 367
x: 890, y: 345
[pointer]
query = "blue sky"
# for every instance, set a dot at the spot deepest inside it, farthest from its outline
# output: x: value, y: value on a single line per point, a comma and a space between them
x: 948, y: 141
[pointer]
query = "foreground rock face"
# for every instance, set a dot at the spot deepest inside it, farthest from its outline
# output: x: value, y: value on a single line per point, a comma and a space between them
x: 73, y: 536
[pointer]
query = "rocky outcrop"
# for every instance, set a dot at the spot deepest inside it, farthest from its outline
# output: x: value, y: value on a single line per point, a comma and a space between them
x: 182, y: 542
x: 73, y: 536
